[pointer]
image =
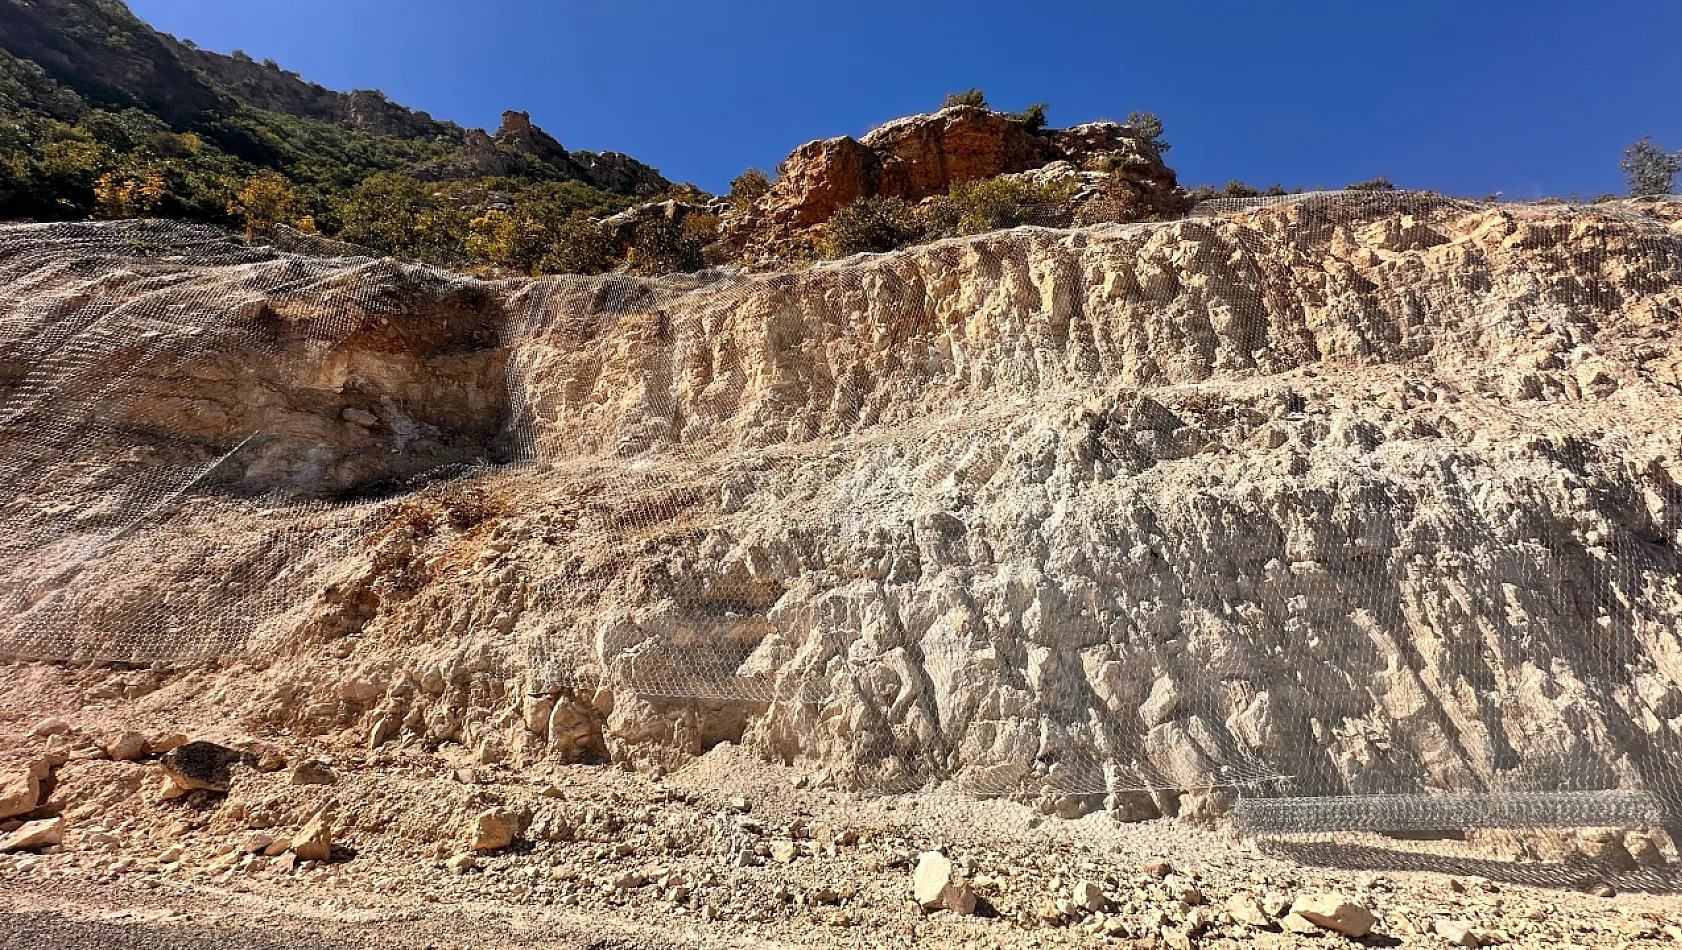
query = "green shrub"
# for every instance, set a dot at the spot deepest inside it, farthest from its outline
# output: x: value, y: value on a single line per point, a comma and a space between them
x: 580, y: 246
x: 659, y: 246
x: 748, y: 187
x: 1381, y: 183
x: 993, y: 203
x: 969, y: 97
x: 869, y: 225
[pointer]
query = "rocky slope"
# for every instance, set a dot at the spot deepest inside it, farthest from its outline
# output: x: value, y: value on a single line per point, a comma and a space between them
x: 1369, y: 493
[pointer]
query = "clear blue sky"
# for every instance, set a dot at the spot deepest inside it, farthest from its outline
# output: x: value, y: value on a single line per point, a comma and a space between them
x: 1528, y: 97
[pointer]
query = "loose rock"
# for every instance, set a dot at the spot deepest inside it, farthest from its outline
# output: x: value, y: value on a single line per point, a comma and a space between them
x: 938, y: 885
x: 492, y: 830
x: 1334, y: 912
x: 33, y: 836
x: 315, y: 841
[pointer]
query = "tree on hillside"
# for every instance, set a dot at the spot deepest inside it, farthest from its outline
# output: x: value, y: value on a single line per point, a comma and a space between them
x: 969, y: 97
x: 1650, y: 170
x: 1149, y: 127
x: 1033, y: 117
x: 268, y: 199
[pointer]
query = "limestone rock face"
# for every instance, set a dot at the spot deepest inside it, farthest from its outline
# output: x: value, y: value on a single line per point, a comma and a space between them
x: 921, y: 156
x: 1376, y: 492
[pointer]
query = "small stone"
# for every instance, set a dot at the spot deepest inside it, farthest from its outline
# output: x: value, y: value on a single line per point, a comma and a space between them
x: 166, y: 743
x: 315, y: 841
x: 313, y: 772
x: 50, y: 726
x: 1247, y: 910
x: 784, y: 851
x: 492, y: 830
x: 1090, y: 895
x: 1456, y: 932
x: 34, y: 836
x: 1334, y: 912
x: 1183, y: 889
x: 740, y: 805
x: 171, y: 855
x: 462, y: 863
x: 256, y: 843
x: 127, y: 747
x: 939, y: 885
x: 1158, y: 868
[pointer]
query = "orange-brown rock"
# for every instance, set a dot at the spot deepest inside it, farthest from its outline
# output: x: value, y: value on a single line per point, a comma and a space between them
x: 921, y: 156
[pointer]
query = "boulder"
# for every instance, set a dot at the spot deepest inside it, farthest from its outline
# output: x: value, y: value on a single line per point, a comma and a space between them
x: 1089, y: 895
x: 201, y: 765
x: 23, y: 786
x: 315, y: 841
x: 939, y: 885
x: 33, y: 836
x: 1245, y: 909
x: 127, y: 746
x: 492, y: 830
x: 1334, y: 912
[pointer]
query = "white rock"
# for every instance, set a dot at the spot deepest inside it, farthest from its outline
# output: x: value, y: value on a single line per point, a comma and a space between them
x: 1090, y: 895
x: 1456, y: 932
x: 126, y: 747
x: 1334, y: 912
x: 938, y: 885
x: 1247, y: 910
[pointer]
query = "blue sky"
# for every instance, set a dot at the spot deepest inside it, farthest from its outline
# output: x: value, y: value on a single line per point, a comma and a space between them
x: 1469, y: 97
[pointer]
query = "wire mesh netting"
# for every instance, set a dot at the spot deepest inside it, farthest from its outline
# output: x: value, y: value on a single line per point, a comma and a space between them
x: 1331, y: 511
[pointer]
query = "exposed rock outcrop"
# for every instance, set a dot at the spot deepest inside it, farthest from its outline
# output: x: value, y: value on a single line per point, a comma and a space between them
x: 1376, y: 492
x: 521, y: 148
x: 921, y: 156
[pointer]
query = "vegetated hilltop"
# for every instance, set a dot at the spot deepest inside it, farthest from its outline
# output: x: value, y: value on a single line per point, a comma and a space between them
x: 107, y: 118
x: 101, y: 116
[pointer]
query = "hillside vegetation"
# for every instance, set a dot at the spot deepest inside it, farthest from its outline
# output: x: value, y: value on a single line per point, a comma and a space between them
x: 103, y: 117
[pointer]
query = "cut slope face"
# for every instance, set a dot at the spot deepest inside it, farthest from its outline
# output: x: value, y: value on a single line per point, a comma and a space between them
x: 1343, y: 495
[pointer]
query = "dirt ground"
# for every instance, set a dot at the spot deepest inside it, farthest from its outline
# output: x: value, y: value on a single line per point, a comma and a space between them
x: 725, y: 851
